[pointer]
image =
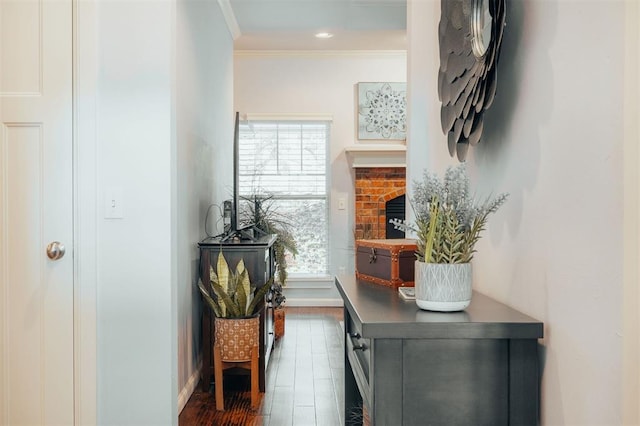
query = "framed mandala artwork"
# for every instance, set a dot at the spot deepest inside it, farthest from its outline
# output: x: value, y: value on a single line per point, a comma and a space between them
x: 382, y: 111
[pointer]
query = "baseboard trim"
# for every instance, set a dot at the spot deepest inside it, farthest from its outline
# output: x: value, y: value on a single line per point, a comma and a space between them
x: 302, y: 302
x: 189, y: 387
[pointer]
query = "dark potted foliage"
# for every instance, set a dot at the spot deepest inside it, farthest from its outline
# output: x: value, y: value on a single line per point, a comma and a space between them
x: 265, y: 216
x: 277, y: 299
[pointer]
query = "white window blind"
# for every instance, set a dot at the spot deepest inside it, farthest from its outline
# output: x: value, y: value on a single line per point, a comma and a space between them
x: 288, y: 161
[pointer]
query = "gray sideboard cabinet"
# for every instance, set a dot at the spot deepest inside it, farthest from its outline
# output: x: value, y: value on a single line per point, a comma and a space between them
x: 406, y: 366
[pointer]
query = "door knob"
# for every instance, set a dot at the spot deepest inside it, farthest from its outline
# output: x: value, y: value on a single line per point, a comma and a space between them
x: 55, y: 250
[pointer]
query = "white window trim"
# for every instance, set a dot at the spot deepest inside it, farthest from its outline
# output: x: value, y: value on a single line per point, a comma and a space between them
x: 303, y: 280
x: 288, y: 117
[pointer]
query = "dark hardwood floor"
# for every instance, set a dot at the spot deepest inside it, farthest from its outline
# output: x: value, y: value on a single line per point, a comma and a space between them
x: 305, y: 379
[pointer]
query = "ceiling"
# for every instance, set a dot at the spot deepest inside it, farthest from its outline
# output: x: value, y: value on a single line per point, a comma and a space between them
x: 292, y: 24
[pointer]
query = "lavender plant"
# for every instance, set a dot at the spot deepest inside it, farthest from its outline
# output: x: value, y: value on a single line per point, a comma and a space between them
x: 449, y: 220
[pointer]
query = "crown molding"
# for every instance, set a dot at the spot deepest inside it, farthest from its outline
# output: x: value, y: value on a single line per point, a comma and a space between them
x: 298, y: 116
x: 320, y: 53
x: 230, y: 18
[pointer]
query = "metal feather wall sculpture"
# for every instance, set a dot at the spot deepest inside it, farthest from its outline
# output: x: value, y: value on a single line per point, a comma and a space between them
x: 470, y: 35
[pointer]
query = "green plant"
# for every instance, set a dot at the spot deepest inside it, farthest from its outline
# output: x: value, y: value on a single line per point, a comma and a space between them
x: 234, y: 295
x: 276, y: 296
x: 265, y: 216
x: 449, y: 220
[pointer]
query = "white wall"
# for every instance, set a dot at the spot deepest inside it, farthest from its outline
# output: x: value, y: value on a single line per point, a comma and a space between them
x: 155, y: 110
x: 318, y: 83
x: 86, y: 212
x: 631, y: 318
x: 554, y: 140
x: 204, y: 122
x: 136, y: 306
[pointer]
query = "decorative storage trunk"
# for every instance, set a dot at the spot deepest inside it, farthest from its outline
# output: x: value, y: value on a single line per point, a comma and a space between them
x: 386, y: 262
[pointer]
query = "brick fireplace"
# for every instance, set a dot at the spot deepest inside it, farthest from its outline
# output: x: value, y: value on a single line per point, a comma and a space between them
x: 375, y: 186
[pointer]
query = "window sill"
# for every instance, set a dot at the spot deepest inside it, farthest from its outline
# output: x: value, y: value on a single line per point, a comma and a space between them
x: 309, y: 281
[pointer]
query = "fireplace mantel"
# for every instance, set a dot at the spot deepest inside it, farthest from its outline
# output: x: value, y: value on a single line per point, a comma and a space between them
x: 377, y: 155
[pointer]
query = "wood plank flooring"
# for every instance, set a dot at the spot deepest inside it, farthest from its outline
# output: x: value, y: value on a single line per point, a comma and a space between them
x: 305, y: 379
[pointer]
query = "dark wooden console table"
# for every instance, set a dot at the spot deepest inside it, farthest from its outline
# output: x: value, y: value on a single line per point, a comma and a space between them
x: 407, y: 366
x: 259, y: 262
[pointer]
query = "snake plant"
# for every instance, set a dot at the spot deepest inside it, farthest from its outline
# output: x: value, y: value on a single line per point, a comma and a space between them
x: 233, y: 294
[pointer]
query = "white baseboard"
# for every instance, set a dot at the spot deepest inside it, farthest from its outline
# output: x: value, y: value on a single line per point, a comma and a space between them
x: 189, y: 387
x: 297, y: 302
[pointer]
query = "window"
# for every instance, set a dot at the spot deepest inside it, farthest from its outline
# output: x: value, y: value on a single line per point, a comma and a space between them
x: 288, y: 160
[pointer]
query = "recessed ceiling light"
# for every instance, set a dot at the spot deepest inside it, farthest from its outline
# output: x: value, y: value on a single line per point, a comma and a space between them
x: 324, y: 35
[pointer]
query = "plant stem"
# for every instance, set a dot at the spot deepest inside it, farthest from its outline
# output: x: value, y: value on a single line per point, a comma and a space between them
x: 433, y: 221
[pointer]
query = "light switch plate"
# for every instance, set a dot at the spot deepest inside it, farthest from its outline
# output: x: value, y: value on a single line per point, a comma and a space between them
x: 113, y: 203
x: 342, y: 203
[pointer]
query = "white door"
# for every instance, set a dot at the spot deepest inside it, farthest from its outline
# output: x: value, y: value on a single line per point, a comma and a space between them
x: 36, y: 293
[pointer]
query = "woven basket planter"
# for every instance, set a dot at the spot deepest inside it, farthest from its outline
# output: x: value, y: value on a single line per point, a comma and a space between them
x: 236, y: 336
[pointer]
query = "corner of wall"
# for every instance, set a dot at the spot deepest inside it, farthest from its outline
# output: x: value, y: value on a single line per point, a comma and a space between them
x: 204, y: 123
x: 230, y: 18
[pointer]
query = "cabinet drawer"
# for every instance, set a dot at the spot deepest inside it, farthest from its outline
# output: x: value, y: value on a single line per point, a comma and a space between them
x: 359, y: 355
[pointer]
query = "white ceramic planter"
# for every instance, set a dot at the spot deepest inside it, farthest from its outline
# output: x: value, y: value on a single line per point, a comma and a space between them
x: 443, y: 287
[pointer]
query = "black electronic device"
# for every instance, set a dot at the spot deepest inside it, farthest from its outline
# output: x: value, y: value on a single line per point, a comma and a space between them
x: 235, y: 207
x: 226, y: 215
x: 237, y: 230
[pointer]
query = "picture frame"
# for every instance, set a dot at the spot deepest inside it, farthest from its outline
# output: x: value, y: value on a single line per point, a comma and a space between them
x: 382, y: 111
